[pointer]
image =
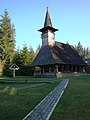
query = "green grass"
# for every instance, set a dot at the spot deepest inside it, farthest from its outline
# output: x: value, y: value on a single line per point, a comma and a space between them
x: 25, y: 78
x: 16, y: 104
x: 75, y: 103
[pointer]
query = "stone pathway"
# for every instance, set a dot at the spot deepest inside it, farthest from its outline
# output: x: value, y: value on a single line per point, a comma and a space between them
x: 45, y: 108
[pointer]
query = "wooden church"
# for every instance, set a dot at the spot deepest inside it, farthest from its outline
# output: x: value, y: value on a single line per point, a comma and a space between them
x: 53, y: 56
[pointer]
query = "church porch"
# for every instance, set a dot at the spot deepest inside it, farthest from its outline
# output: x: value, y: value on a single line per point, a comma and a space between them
x: 52, y: 70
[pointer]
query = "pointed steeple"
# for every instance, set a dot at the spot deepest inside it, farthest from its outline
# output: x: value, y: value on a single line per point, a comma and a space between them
x: 48, y: 35
x: 47, y: 20
x: 48, y: 23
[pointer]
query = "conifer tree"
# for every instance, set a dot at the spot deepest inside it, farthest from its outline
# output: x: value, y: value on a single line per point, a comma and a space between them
x: 79, y: 48
x: 17, y: 57
x: 38, y: 49
x: 23, y: 58
x: 32, y: 54
x: 7, y: 38
x: 87, y: 52
x: 83, y: 52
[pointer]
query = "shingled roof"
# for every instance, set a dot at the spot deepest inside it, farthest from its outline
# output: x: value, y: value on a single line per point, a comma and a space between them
x: 59, y: 54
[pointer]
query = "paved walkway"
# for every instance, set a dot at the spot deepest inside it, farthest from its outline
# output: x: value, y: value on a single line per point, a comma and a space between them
x: 45, y: 108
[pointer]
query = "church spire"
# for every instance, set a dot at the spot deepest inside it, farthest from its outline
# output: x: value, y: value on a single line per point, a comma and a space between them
x: 47, y: 20
x: 48, y: 35
x: 48, y: 23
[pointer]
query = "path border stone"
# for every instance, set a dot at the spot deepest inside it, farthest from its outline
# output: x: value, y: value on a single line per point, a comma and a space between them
x: 45, y: 108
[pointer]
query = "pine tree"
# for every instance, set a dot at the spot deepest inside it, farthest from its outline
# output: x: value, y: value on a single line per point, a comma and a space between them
x: 38, y: 49
x: 67, y: 43
x: 23, y: 58
x: 87, y: 53
x: 7, y: 38
x: 17, y: 57
x: 79, y: 48
x: 83, y: 51
x: 32, y: 54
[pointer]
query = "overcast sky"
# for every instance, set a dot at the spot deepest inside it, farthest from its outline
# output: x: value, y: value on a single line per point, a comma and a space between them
x: 71, y: 17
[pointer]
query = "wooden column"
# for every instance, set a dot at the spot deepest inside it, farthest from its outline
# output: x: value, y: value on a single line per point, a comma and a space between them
x: 49, y: 68
x: 80, y: 69
x: 75, y: 68
x: 56, y: 68
x: 67, y: 68
x: 62, y: 68
x: 43, y: 71
x: 72, y: 68
x: 40, y: 70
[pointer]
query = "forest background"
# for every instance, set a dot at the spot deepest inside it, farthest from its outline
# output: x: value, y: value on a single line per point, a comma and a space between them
x: 22, y: 57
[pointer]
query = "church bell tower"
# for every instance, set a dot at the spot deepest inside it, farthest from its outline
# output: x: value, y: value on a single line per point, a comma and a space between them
x: 48, y: 35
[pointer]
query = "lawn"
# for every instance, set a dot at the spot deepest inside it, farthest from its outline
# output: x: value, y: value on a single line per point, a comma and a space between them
x: 16, y: 104
x: 25, y: 78
x: 75, y: 103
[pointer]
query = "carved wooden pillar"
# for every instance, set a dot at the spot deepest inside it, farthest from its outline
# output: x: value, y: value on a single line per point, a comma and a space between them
x: 62, y: 68
x: 79, y: 68
x: 72, y: 68
x: 75, y: 68
x: 56, y: 68
x: 40, y: 70
x: 67, y: 68
x: 49, y: 68
x: 43, y: 70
